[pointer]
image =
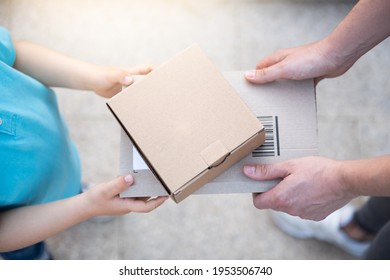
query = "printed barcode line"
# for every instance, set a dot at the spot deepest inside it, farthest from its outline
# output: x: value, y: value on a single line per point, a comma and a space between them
x: 269, y: 148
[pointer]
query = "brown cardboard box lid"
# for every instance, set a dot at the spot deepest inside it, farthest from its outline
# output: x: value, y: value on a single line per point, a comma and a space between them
x: 184, y: 118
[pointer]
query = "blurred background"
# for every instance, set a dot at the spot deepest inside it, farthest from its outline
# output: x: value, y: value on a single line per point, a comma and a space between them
x: 353, y: 118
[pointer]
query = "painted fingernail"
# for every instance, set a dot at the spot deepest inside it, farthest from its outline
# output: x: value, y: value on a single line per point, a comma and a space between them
x: 128, y: 179
x: 127, y: 80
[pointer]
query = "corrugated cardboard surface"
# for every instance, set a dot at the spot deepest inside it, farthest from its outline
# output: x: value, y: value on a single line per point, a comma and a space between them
x: 287, y: 110
x: 187, y: 121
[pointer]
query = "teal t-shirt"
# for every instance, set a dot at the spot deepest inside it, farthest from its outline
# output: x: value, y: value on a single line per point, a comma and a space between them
x: 38, y: 161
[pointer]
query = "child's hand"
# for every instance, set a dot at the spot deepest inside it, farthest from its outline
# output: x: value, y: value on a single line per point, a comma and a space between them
x: 108, y: 81
x: 104, y: 200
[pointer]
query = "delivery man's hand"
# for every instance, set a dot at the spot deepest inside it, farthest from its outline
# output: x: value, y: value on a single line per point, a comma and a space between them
x: 315, y: 60
x: 311, y: 187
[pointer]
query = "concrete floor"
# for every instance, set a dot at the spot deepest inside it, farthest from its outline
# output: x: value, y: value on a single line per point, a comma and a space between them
x: 353, y: 119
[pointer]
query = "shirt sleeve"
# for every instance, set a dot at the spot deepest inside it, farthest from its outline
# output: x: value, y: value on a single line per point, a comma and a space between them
x: 7, y: 50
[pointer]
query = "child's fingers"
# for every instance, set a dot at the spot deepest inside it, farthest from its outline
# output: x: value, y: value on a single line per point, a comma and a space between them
x: 142, y: 69
x: 140, y: 205
x: 119, y: 184
x: 127, y: 80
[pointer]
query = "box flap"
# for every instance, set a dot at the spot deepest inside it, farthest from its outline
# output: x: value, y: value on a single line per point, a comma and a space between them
x: 214, y: 154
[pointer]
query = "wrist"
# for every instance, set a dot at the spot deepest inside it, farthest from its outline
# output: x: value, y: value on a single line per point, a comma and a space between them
x: 344, y: 179
x: 89, y: 76
x: 339, y: 54
x: 85, y: 207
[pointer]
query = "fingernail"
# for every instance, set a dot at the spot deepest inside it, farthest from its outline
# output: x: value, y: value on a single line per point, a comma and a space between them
x: 250, y: 74
x: 127, y: 80
x: 249, y: 169
x: 128, y: 179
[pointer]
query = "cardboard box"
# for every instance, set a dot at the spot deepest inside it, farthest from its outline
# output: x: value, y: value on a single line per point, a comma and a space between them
x: 187, y: 122
x: 288, y: 112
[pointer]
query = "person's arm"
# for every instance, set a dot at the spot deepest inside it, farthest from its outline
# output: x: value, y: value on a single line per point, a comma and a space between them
x: 314, y: 187
x: 57, y: 70
x: 28, y: 225
x: 367, y: 24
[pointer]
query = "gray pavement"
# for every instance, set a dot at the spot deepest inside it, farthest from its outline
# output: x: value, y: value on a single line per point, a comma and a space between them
x: 353, y: 118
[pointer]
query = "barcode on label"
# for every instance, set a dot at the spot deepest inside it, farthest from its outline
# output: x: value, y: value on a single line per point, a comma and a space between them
x: 270, y: 148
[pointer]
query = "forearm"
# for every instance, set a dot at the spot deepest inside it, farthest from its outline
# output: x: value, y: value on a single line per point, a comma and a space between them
x: 52, y: 68
x: 367, y: 177
x: 363, y: 28
x: 25, y: 226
